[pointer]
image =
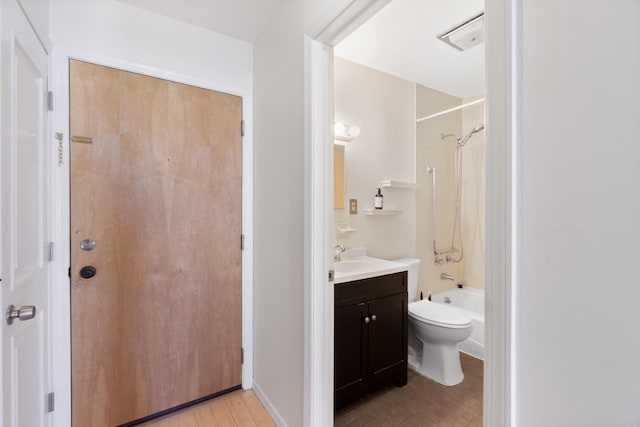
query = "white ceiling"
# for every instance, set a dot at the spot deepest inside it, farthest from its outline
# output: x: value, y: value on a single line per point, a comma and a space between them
x: 241, y: 19
x: 401, y: 40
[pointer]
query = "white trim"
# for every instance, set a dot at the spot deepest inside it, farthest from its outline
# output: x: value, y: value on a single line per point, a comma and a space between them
x: 501, y: 205
x: 342, y: 18
x: 60, y: 177
x: 275, y: 415
x: 339, y: 20
x: 318, y: 345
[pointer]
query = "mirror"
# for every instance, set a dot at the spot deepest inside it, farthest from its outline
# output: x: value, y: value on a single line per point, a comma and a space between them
x: 338, y: 176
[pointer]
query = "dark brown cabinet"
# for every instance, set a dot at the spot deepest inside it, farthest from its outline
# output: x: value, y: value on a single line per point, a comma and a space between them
x: 370, y: 336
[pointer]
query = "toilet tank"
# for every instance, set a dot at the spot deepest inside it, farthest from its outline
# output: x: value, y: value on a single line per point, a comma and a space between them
x: 412, y: 276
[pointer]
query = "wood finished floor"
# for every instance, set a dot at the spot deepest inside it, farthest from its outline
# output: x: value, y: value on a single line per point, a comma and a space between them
x: 239, y: 408
x: 421, y: 402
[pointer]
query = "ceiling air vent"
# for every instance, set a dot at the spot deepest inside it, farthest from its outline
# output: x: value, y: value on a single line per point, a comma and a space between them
x: 465, y: 35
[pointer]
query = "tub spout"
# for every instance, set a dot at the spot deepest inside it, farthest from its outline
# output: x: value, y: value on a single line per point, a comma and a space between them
x: 445, y: 276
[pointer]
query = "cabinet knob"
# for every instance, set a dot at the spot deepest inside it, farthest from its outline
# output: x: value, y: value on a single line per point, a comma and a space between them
x: 373, y: 317
x: 366, y: 319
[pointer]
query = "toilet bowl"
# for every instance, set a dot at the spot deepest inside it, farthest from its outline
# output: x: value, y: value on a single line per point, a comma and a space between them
x: 434, y: 333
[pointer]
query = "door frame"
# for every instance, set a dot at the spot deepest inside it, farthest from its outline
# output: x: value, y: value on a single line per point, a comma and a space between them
x: 503, y: 93
x: 61, y: 300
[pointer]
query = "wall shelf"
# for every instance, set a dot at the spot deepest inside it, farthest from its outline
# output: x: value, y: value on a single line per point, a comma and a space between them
x: 344, y: 227
x: 380, y: 212
x: 398, y: 184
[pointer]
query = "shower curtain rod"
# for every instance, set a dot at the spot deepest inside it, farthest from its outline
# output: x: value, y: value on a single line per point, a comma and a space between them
x: 450, y: 110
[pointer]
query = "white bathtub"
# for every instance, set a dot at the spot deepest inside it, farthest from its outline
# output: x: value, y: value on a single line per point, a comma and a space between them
x: 471, y: 302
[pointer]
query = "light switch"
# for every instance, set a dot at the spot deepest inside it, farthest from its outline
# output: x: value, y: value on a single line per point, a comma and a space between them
x: 353, y: 206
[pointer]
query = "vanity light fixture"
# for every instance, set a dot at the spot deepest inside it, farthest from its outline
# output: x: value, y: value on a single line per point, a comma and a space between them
x: 345, y: 132
x: 465, y: 35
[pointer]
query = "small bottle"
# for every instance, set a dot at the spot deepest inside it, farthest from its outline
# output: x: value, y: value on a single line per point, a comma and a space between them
x: 378, y: 202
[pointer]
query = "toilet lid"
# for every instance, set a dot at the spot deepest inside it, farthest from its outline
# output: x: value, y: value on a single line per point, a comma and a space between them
x: 438, y: 314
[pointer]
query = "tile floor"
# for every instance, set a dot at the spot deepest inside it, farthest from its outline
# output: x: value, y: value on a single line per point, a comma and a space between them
x: 421, y: 402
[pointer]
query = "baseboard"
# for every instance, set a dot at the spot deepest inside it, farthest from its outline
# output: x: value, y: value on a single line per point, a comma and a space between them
x: 268, y: 406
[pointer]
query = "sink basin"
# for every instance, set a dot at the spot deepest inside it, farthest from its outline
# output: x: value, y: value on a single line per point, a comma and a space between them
x: 349, y: 266
x: 363, y: 267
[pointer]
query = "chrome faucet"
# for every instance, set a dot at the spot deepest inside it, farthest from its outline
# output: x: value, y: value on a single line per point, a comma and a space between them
x: 445, y: 276
x: 339, y: 249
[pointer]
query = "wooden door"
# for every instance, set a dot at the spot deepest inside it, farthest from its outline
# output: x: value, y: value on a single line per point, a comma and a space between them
x: 25, y: 198
x: 158, y: 189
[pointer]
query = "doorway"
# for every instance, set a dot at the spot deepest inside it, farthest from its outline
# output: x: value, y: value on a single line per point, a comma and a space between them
x: 156, y: 210
x: 501, y: 115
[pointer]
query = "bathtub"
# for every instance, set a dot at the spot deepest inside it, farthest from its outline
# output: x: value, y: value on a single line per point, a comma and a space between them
x: 471, y: 302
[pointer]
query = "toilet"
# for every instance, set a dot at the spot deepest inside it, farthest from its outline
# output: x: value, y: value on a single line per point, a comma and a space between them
x: 434, y: 333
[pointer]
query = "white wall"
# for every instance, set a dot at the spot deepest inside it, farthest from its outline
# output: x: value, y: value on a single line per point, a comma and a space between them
x: 383, y: 106
x: 114, y: 29
x: 578, y: 296
x: 279, y: 209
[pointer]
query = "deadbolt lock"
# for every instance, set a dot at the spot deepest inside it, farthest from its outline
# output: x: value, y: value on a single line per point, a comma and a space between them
x: 88, y: 272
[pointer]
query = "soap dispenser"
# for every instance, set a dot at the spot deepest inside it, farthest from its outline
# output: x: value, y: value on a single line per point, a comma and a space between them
x: 378, y: 201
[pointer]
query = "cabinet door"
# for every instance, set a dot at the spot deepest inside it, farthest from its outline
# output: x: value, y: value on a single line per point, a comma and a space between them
x: 350, y: 353
x: 388, y: 341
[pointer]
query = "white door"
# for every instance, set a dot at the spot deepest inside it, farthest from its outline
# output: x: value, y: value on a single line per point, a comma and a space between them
x: 25, y: 231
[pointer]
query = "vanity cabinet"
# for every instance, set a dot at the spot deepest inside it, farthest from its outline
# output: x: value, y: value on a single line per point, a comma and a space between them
x: 370, y: 336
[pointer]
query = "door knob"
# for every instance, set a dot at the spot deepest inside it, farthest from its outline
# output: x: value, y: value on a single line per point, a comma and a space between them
x: 367, y: 320
x: 26, y: 312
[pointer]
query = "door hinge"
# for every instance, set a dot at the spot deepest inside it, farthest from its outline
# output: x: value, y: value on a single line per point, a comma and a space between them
x: 50, y: 252
x: 242, y: 356
x: 332, y: 275
x: 242, y: 128
x: 50, y: 100
x: 242, y: 242
x: 51, y: 402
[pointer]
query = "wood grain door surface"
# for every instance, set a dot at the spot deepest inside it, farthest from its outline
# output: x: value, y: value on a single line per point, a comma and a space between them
x: 159, y: 191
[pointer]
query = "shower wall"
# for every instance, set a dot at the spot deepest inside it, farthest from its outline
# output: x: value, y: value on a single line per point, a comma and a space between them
x: 433, y: 151
x: 473, y: 197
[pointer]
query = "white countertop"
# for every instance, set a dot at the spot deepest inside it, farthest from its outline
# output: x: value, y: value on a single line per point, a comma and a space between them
x: 364, y: 267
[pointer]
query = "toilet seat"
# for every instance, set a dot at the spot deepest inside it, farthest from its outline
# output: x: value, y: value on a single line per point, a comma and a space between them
x: 438, y: 314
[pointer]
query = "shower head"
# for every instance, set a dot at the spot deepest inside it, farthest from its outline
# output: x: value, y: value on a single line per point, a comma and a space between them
x: 462, y: 142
